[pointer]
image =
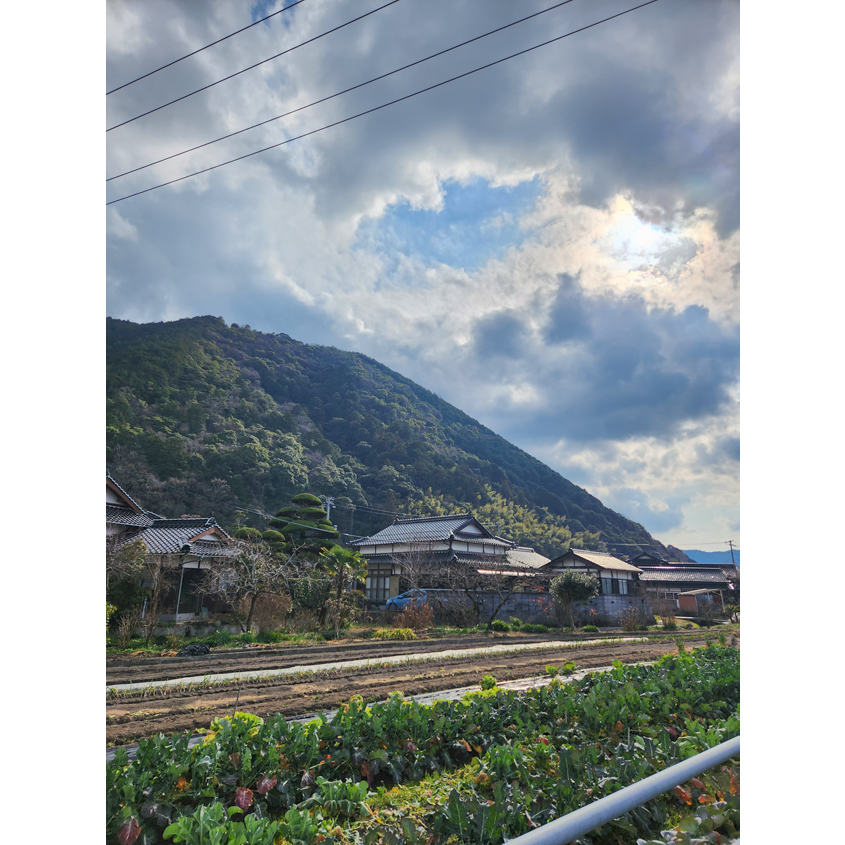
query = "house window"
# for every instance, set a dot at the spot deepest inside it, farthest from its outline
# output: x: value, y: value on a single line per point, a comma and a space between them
x: 609, y: 587
x: 623, y: 588
x: 378, y: 588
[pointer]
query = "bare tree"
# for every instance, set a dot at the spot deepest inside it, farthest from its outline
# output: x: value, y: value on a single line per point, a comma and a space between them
x: 156, y: 573
x: 253, y: 571
x: 471, y: 586
x: 414, y: 567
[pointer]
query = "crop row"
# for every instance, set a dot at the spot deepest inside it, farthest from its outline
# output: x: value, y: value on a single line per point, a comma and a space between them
x: 523, y: 758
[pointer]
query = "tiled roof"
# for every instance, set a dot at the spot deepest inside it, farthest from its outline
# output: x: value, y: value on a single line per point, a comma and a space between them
x: 479, y: 559
x: 430, y: 529
x: 682, y: 575
x: 523, y: 556
x: 124, y: 516
x: 132, y: 502
x: 441, y: 556
x: 171, y: 541
x: 170, y: 536
x: 191, y: 522
x: 212, y: 548
x: 601, y: 559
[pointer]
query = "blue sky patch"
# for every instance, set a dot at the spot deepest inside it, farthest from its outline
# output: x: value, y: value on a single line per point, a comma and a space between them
x: 477, y: 222
x: 262, y: 8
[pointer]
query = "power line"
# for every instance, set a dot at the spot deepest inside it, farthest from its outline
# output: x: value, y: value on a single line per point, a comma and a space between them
x: 188, y: 55
x: 252, y: 67
x: 340, y: 93
x: 384, y: 105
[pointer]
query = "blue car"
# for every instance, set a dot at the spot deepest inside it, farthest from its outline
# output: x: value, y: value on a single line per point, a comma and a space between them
x: 400, y: 602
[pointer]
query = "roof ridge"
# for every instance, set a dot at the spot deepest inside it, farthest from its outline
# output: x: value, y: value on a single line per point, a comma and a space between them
x: 110, y: 477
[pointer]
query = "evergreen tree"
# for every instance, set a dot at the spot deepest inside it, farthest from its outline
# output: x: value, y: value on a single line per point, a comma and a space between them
x: 303, y: 526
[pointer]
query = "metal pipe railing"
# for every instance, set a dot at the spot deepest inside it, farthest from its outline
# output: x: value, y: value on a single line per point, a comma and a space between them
x: 581, y: 821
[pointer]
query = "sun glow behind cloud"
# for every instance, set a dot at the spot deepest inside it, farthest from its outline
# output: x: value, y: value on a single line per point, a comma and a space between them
x: 550, y: 246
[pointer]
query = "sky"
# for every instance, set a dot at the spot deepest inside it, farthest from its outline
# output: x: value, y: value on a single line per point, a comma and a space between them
x: 551, y: 244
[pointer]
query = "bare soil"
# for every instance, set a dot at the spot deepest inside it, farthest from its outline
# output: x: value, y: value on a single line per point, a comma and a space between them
x: 143, y: 714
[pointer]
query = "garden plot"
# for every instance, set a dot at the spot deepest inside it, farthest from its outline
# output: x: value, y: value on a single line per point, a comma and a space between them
x: 481, y: 770
x: 148, y: 711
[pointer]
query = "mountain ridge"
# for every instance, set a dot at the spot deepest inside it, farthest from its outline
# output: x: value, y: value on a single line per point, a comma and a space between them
x: 196, y: 407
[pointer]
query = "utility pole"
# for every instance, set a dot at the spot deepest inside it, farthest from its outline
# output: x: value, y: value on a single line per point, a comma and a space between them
x: 731, y: 544
x: 329, y: 503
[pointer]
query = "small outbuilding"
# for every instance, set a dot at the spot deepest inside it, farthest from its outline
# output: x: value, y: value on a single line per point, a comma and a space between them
x: 691, y: 601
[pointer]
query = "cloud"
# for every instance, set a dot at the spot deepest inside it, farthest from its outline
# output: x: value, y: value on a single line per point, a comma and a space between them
x: 550, y: 244
x: 655, y: 515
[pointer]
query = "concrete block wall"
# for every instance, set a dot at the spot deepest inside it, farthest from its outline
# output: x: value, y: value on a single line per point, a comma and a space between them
x: 610, y: 606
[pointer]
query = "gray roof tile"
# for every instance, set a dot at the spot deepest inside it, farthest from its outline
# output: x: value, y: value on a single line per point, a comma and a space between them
x: 430, y: 529
x: 678, y: 575
x: 124, y: 516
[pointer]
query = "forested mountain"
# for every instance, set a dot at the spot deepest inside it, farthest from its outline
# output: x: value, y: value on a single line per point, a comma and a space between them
x: 206, y: 418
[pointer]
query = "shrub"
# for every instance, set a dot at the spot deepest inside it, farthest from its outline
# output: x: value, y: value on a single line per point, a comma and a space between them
x: 488, y: 682
x: 499, y: 625
x: 126, y: 626
x: 393, y: 634
x: 417, y: 617
x: 303, y: 619
x: 516, y: 624
x: 670, y: 626
x: 270, y: 613
x: 110, y: 609
x: 218, y: 638
x: 535, y: 629
x: 572, y: 586
x: 632, y: 620
x: 732, y: 612
x: 269, y: 636
x: 665, y: 609
x: 590, y: 629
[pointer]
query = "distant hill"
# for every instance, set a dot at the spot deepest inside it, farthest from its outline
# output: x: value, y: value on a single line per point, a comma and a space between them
x: 203, y: 417
x: 712, y: 557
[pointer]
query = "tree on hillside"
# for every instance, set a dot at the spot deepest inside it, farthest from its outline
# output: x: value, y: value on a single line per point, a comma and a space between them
x: 304, y: 528
x: 573, y: 586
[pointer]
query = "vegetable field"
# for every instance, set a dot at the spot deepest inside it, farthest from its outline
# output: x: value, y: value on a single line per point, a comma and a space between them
x: 145, y: 712
x: 481, y: 770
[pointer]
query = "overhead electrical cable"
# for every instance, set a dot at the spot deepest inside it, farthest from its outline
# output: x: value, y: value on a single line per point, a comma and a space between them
x: 252, y: 67
x: 340, y: 93
x: 188, y: 55
x: 383, y: 105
